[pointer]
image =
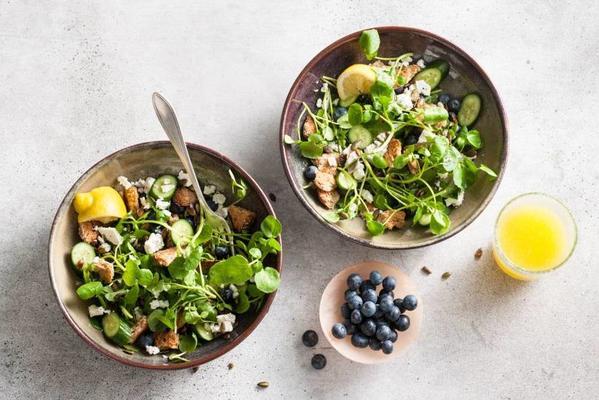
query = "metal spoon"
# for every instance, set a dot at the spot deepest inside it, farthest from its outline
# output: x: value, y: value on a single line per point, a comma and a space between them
x: 168, y: 120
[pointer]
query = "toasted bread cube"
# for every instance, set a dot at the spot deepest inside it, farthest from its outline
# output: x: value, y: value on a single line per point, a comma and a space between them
x: 184, y: 197
x: 87, y: 232
x: 105, y: 270
x: 165, y: 257
x: 407, y: 73
x: 325, y: 182
x: 140, y: 327
x: 167, y: 340
x: 309, y: 127
x: 392, y: 219
x: 132, y: 199
x: 328, y: 199
x: 241, y: 218
x: 328, y: 163
x: 393, y: 150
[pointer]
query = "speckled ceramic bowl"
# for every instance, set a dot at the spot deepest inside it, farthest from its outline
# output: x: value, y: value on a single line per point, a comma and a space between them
x: 142, y: 160
x: 465, y: 76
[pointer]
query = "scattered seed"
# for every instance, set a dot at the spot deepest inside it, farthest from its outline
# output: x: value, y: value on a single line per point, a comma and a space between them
x: 230, y: 366
x: 445, y: 275
x: 425, y: 270
x: 263, y: 384
x: 272, y: 197
x: 194, y: 370
x: 478, y: 254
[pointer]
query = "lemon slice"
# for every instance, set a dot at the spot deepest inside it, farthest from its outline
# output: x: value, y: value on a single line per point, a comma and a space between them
x: 102, y: 204
x: 357, y: 79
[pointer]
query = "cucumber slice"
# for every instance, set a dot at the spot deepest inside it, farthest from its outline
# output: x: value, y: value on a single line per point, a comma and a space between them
x: 432, y: 76
x: 181, y: 232
x: 345, y: 181
x: 441, y: 65
x: 82, y: 253
x: 116, y: 329
x: 470, y: 109
x: 164, y: 187
x: 204, y: 332
x: 360, y: 136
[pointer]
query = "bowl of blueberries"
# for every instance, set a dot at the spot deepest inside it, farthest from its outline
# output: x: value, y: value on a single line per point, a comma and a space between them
x: 370, y: 312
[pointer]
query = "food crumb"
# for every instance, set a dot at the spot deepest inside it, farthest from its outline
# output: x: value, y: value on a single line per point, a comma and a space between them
x: 194, y: 370
x: 445, y: 275
x: 272, y: 197
x: 478, y: 254
x: 425, y: 270
x: 230, y: 365
x: 263, y: 384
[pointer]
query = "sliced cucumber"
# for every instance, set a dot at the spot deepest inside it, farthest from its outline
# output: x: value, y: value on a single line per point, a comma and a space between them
x: 116, y: 329
x: 470, y: 109
x: 360, y: 136
x: 345, y: 181
x: 441, y: 65
x: 82, y: 253
x: 181, y: 232
x: 164, y: 187
x: 432, y: 76
x: 204, y: 332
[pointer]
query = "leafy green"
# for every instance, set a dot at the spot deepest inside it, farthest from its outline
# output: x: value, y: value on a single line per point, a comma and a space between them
x: 370, y: 42
x: 267, y: 280
x: 89, y: 290
x: 270, y: 227
x: 234, y: 270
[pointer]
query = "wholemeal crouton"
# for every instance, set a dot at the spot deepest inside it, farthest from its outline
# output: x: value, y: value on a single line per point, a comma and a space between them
x: 309, y: 127
x: 414, y: 167
x: 167, y: 340
x: 327, y: 163
x: 207, y: 264
x: 165, y: 257
x: 407, y: 73
x: 87, y: 233
x: 241, y: 218
x: 132, y: 199
x: 393, y: 150
x: 184, y: 197
x: 104, y: 269
x: 392, y: 219
x: 328, y: 199
x: 325, y: 182
x: 140, y: 327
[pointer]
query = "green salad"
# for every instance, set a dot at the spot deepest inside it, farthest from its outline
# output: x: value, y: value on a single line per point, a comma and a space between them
x: 158, y: 278
x: 386, y: 144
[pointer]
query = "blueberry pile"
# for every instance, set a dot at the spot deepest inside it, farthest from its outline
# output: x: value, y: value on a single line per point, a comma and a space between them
x: 372, y: 319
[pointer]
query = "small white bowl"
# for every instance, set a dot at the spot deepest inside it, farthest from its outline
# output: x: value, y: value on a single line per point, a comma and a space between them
x: 334, y: 296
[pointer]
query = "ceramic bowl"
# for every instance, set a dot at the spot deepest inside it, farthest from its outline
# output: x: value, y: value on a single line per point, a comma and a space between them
x: 334, y: 296
x: 464, y: 77
x: 140, y: 161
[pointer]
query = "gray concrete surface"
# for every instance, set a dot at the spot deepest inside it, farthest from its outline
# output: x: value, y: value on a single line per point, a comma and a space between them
x: 75, y: 84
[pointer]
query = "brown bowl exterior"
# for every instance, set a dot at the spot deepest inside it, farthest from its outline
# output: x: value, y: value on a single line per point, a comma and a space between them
x: 464, y: 77
x: 140, y: 161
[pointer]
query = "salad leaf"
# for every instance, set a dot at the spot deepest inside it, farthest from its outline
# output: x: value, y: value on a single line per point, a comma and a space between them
x: 267, y: 280
x: 270, y: 227
x: 234, y: 270
x: 89, y: 290
x: 370, y: 43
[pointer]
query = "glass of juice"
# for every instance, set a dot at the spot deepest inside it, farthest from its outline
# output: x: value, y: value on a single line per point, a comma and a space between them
x: 534, y: 234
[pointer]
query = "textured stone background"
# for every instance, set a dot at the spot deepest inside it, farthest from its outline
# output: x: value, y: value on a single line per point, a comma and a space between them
x: 76, y: 79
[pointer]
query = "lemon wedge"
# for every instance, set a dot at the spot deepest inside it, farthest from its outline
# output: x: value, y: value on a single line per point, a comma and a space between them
x: 357, y: 79
x: 102, y: 204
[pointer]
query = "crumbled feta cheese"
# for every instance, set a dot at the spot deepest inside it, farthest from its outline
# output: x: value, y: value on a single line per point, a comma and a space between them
x: 152, y: 350
x: 104, y: 248
x: 371, y: 148
x: 353, y: 208
x: 457, y: 201
x: 346, y: 151
x: 234, y: 290
x: 423, y: 88
x: 219, y: 198
x: 319, y: 103
x: 381, y: 137
x: 335, y: 102
x: 224, y: 323
x: 154, y: 304
x: 420, y: 63
x: 110, y: 234
x: 324, y: 87
x: 209, y: 189
x: 405, y: 100
x: 184, y: 178
x: 144, y: 203
x: 425, y: 135
x: 332, y: 147
x: 162, y: 204
x: 221, y: 211
x: 367, y: 196
x: 95, y: 311
x: 167, y: 187
x: 124, y: 182
x: 351, y: 159
x: 167, y: 213
x: 359, y: 172
x: 154, y: 243
x: 144, y: 185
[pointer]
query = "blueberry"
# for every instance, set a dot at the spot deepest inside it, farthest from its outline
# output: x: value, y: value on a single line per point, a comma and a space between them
x: 319, y: 361
x: 368, y: 309
x: 339, y: 112
x: 411, y: 138
x: 227, y: 295
x: 374, y: 344
x: 368, y: 327
x: 191, y: 222
x: 386, y: 303
x: 221, y: 252
x: 398, y: 302
x: 410, y: 302
x: 376, y: 278
x: 369, y: 295
x: 359, y: 340
x: 379, y: 313
x: 454, y: 105
x: 147, y: 339
x: 354, y: 281
x: 393, y: 313
x: 356, y: 317
x: 339, y: 331
x: 393, y: 336
x: 345, y: 311
x: 399, y: 90
x: 177, y: 209
x: 349, y: 327
x: 383, y: 293
x: 367, y: 284
x: 402, y: 323
x: 355, y: 302
x: 350, y: 293
x: 389, y: 283
x: 381, y: 322
x: 444, y: 98
x: 387, y: 346
x: 383, y: 332
x: 310, y: 172
x: 310, y: 338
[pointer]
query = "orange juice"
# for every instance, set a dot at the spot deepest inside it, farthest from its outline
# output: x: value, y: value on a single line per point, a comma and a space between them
x: 534, y: 233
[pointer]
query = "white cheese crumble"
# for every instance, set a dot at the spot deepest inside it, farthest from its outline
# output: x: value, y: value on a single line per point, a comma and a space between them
x: 351, y: 159
x: 152, y: 350
x: 457, y: 201
x: 319, y: 103
x: 219, y: 198
x: 184, y: 178
x: 234, y: 290
x: 154, y: 304
x: 110, y: 234
x: 104, y: 248
x: 95, y: 311
x: 381, y: 137
x: 144, y: 185
x: 359, y: 172
x: 154, y: 243
x: 423, y: 88
x: 209, y: 189
x: 405, y: 100
x: 367, y: 196
x: 162, y: 204
x: 425, y: 135
x: 221, y: 211
x: 224, y: 323
x: 145, y: 204
x: 420, y: 63
x: 124, y: 182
